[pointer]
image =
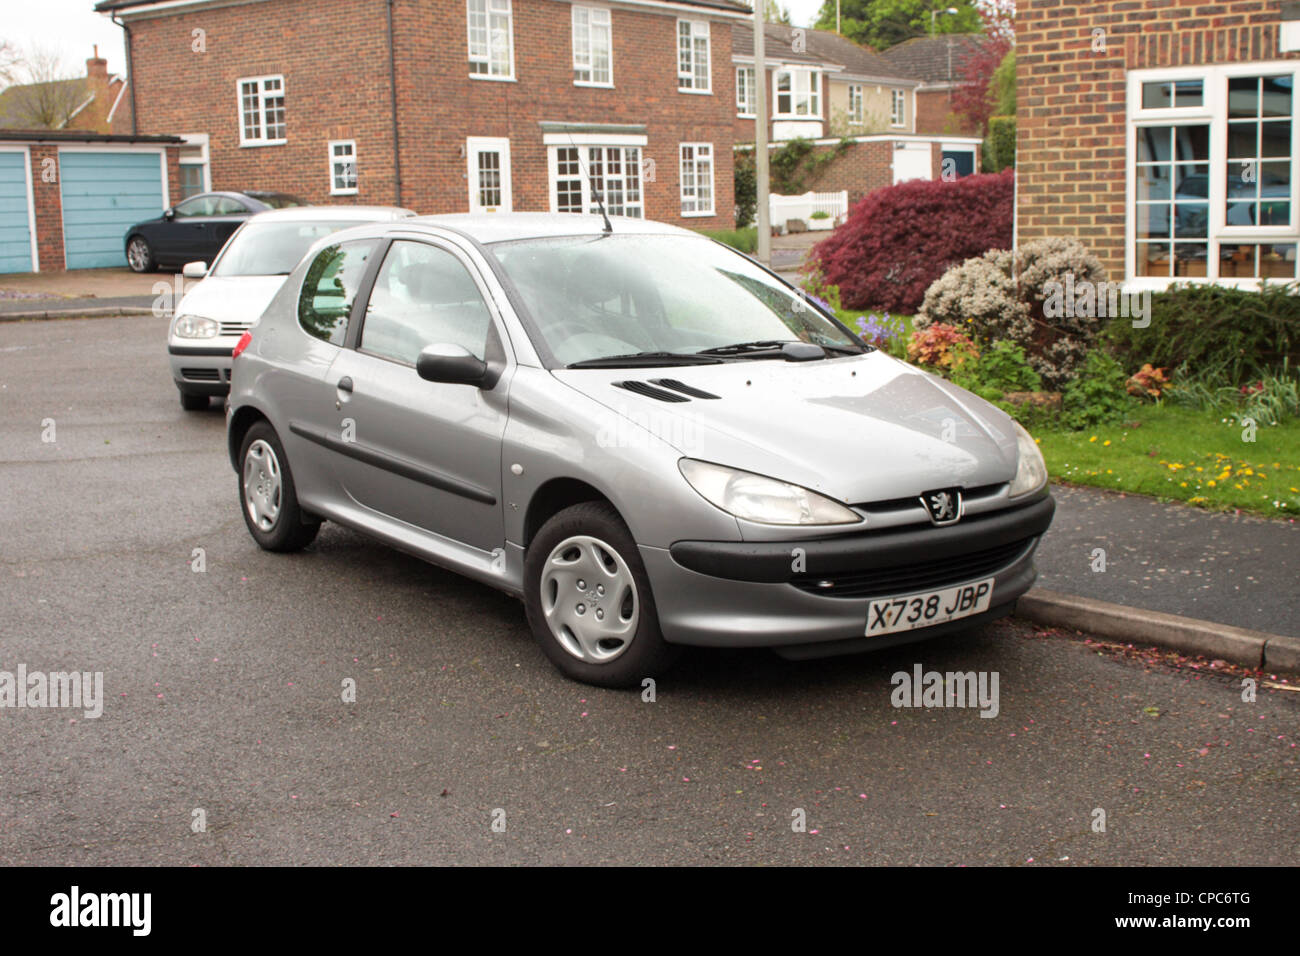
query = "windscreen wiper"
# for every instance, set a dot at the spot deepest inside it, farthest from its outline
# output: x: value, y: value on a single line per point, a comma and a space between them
x: 645, y: 360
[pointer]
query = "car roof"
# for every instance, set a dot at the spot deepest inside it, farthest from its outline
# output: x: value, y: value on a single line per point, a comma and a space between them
x: 333, y: 213
x: 488, y: 228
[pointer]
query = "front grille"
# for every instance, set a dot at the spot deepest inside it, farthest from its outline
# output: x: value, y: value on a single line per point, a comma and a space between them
x: 201, y: 374
x: 922, y: 576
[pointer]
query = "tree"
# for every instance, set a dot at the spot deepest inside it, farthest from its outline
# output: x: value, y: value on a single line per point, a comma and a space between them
x: 48, y: 96
x: 774, y: 12
x: 11, y: 60
x: 975, y: 97
x: 884, y: 23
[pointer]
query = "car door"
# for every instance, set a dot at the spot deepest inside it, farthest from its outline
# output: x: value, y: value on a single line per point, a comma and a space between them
x: 227, y: 215
x: 424, y: 453
x: 178, y: 239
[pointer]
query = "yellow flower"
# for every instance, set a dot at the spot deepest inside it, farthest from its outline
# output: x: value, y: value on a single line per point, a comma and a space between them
x: 1093, y: 438
x: 1210, y: 482
x: 1106, y: 442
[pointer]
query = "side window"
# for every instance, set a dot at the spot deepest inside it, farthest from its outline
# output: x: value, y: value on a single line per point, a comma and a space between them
x: 225, y: 206
x: 198, y: 206
x: 330, y: 287
x: 423, y: 296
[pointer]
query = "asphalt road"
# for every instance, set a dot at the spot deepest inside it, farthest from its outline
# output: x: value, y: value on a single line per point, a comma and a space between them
x: 223, y: 694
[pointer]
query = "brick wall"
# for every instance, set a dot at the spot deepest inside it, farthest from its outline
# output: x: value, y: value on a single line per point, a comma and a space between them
x: 346, y: 95
x: 48, y: 200
x: 935, y: 117
x: 1070, y: 120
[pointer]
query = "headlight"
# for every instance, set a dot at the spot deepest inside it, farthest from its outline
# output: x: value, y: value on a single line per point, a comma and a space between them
x: 194, y: 327
x: 1031, y: 473
x: 764, y: 500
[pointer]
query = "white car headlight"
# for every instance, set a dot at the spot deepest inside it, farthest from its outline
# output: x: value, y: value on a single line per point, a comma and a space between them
x: 763, y: 500
x: 194, y: 327
x: 1031, y: 472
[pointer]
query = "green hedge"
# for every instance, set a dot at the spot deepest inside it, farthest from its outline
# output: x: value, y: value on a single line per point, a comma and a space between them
x: 1000, y: 144
x: 1232, y: 335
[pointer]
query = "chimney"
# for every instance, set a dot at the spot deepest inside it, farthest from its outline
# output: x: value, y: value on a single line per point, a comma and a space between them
x: 96, y: 68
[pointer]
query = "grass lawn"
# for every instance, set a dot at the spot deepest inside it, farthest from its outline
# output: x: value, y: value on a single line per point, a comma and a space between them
x: 1177, y: 453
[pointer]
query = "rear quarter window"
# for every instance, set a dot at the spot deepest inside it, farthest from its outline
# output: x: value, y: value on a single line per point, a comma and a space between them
x: 330, y: 287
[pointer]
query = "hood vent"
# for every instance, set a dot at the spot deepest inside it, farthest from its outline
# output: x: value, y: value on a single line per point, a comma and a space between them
x: 682, y: 387
x: 649, y: 391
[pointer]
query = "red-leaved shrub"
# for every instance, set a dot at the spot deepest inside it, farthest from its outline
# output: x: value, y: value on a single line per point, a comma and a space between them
x: 899, y: 239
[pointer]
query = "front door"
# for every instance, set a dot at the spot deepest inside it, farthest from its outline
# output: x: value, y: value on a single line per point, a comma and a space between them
x: 488, y: 174
x: 424, y: 453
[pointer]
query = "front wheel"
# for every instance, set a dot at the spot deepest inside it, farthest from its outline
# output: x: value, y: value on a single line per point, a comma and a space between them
x: 267, y: 497
x: 589, y: 601
x: 139, y: 256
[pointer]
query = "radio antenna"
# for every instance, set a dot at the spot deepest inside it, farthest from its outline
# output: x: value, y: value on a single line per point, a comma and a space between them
x: 595, y: 193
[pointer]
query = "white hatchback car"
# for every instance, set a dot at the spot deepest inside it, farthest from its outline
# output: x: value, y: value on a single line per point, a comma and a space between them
x: 245, y: 276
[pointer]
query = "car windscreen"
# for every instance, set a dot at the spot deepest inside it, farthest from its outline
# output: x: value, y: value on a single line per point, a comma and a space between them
x: 593, y: 298
x: 272, y: 248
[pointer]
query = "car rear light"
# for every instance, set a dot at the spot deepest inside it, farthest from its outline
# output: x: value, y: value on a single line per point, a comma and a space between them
x: 241, y: 344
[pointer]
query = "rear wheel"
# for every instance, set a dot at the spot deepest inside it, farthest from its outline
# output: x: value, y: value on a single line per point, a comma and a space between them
x: 267, y: 496
x: 589, y: 601
x: 139, y: 256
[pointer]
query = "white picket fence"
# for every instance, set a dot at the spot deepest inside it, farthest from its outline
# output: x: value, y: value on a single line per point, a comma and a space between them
x: 785, y: 208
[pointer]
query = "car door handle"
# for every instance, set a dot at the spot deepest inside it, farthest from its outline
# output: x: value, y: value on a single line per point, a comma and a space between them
x: 345, y: 383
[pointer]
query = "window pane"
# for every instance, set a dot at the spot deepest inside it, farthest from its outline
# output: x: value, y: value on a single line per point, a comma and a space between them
x: 1243, y: 96
x: 1153, y: 221
x: 1192, y: 143
x: 1275, y: 138
x: 423, y: 296
x: 1191, y: 220
x: 1193, y: 181
x: 1157, y: 95
x: 1189, y: 93
x: 1276, y: 98
x: 329, y: 289
x: 1243, y: 139
x: 1153, y: 259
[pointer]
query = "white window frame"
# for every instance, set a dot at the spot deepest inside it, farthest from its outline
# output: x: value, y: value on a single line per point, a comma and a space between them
x: 501, y: 146
x: 810, y: 75
x: 856, y: 114
x: 898, y: 109
x: 713, y: 192
x: 592, y: 14
x: 262, y: 96
x: 686, y: 78
x: 490, y: 9
x: 584, y: 142
x: 1214, y: 113
x: 746, y: 82
x: 335, y: 161
x: 200, y: 140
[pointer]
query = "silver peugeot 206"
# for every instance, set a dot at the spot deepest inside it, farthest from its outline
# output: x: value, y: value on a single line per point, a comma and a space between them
x: 646, y: 437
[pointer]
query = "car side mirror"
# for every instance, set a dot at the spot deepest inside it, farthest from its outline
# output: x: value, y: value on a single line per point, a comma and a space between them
x: 195, y: 270
x: 169, y: 214
x: 450, y: 364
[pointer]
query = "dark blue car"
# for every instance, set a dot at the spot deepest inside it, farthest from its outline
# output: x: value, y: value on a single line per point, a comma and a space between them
x: 195, y: 230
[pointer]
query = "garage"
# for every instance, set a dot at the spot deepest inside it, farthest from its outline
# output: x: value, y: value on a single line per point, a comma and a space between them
x: 104, y: 193
x: 15, y: 212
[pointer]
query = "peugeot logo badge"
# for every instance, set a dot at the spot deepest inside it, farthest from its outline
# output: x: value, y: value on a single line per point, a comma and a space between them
x: 943, y: 506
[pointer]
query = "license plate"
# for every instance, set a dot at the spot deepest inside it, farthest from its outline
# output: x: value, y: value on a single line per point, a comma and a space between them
x: 925, y: 608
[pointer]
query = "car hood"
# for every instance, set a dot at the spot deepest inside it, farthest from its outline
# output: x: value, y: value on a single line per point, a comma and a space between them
x: 231, y: 298
x: 859, y: 429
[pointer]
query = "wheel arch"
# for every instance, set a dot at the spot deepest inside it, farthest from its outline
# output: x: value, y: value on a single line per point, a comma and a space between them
x: 243, y: 418
x: 554, y: 496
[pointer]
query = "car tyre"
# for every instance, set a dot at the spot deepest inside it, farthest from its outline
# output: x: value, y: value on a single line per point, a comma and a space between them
x: 589, y: 602
x: 139, y: 255
x: 193, y: 402
x: 267, y: 497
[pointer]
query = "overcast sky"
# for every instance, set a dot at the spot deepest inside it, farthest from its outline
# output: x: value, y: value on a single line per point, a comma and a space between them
x: 73, y: 28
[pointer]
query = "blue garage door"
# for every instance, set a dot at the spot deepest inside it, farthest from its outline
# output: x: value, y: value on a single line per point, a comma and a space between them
x: 104, y: 194
x: 15, y: 228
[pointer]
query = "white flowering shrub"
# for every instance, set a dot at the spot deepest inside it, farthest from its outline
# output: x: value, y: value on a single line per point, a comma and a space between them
x: 1000, y: 296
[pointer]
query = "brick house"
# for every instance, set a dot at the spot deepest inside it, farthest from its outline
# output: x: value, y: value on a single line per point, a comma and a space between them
x: 453, y: 106
x: 935, y: 63
x: 849, y: 100
x: 96, y: 102
x: 1163, y: 134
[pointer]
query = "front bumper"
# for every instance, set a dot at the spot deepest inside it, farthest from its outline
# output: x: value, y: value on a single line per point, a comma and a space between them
x: 202, y: 369
x: 794, y: 594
